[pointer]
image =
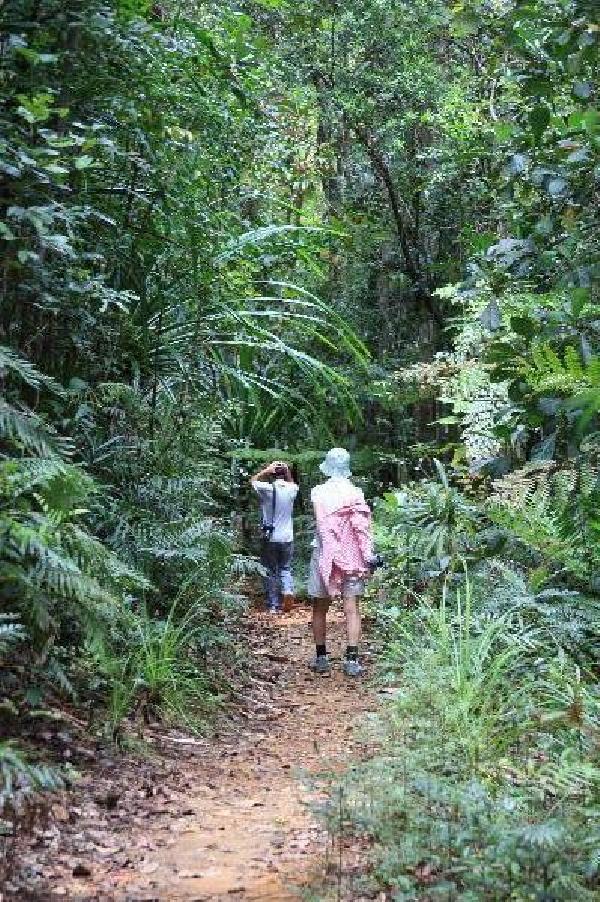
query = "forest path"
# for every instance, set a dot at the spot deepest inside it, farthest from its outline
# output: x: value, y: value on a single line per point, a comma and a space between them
x: 220, y: 817
x: 246, y: 831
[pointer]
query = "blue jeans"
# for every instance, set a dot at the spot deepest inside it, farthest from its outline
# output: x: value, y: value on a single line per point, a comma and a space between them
x: 277, y: 557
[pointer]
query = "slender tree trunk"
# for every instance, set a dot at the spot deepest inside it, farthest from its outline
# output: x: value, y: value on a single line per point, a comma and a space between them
x: 403, y: 220
x: 399, y: 213
x: 155, y: 375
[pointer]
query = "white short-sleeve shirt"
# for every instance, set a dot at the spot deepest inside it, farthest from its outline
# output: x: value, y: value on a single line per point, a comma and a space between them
x: 284, y: 506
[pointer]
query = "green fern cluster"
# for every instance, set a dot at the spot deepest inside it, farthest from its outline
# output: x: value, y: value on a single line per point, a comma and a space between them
x: 10, y: 630
x: 19, y: 778
x: 562, y: 615
x: 425, y: 531
x: 548, y: 373
x: 54, y: 573
x: 554, y: 512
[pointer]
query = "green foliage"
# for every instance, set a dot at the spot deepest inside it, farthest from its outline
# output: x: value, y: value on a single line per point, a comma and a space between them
x: 485, y: 784
x: 555, y: 515
x: 20, y: 778
x: 560, y: 614
x: 426, y: 531
x: 159, y: 674
x: 467, y: 662
x: 48, y: 556
x: 153, y: 317
x: 229, y: 228
x: 548, y: 374
x: 10, y: 630
x: 485, y: 781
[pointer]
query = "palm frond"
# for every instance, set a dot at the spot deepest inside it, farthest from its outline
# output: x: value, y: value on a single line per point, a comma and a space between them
x: 257, y: 236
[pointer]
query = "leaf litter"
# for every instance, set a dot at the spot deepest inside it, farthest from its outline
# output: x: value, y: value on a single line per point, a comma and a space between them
x: 209, y: 818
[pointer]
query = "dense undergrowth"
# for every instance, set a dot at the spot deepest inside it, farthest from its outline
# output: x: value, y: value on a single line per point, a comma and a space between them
x: 486, y: 783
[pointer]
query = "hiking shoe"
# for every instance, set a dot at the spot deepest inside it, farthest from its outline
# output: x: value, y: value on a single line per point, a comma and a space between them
x: 320, y: 664
x: 353, y: 668
x: 274, y: 609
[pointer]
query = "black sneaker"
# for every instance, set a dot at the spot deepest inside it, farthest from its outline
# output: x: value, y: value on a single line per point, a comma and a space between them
x: 320, y: 664
x: 353, y: 668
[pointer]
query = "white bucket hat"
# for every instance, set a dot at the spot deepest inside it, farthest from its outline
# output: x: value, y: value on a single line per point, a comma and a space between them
x: 336, y: 463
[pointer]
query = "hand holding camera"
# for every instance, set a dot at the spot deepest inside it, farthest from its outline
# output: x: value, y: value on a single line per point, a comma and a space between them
x: 279, y: 469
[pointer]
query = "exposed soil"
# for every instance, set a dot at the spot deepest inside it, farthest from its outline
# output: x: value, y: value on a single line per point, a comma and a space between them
x: 226, y: 817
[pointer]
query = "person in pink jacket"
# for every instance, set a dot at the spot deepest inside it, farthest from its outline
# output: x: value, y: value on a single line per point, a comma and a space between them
x: 341, y: 558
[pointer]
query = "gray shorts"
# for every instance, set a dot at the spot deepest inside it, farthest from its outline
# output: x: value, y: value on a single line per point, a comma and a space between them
x: 351, y: 585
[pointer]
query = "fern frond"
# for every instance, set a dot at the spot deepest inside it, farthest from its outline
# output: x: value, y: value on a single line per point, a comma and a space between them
x: 553, y: 510
x: 59, y: 676
x: 91, y: 554
x: 30, y: 432
x: 17, y: 775
x: 17, y: 365
x: 547, y: 373
x: 21, y: 475
x: 11, y: 630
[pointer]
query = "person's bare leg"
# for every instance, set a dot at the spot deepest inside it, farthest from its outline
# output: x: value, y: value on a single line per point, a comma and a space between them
x: 352, y: 615
x: 319, y: 625
x: 352, y: 668
x: 319, y: 620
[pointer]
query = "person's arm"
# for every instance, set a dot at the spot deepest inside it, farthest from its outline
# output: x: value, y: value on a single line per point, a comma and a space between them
x: 317, y: 510
x: 264, y: 473
x: 271, y: 470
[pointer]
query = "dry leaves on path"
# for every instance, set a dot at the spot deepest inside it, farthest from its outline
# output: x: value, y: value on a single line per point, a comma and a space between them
x: 214, y: 818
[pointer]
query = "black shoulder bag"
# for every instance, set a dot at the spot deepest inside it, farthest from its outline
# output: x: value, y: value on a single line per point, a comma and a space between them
x: 268, y: 528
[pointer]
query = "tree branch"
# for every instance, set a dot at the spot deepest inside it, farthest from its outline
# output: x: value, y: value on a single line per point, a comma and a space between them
x: 401, y: 216
x: 400, y: 213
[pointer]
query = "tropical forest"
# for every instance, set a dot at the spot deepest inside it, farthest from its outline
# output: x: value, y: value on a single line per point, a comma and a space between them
x: 249, y: 248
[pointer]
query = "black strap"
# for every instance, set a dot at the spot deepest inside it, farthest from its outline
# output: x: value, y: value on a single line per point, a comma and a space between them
x: 269, y: 528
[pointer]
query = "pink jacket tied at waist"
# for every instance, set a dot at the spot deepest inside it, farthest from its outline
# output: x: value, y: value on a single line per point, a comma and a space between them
x: 345, y: 544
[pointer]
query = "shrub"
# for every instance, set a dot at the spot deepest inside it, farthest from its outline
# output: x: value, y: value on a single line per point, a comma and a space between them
x: 481, y: 789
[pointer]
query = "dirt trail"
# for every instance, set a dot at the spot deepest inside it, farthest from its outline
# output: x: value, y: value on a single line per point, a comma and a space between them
x: 222, y: 817
x: 251, y: 835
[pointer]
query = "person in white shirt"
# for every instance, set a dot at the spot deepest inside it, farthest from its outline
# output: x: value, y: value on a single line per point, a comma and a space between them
x: 277, y: 499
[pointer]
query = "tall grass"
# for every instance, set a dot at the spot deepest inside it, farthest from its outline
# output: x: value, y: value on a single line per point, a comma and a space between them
x: 459, y: 666
x: 486, y: 781
x: 168, y: 680
x: 160, y: 676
